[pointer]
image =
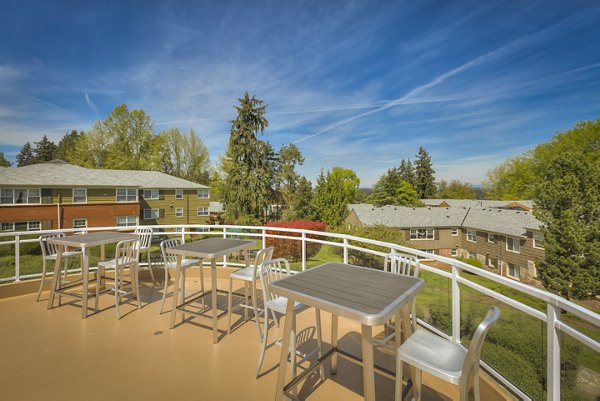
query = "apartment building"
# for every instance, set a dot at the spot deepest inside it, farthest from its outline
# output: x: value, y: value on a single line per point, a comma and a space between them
x: 506, y: 241
x: 57, y: 195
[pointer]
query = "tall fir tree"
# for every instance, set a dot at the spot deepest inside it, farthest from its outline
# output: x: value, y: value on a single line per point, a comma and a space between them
x: 301, y: 205
x: 4, y: 162
x: 66, y: 146
x: 424, y: 174
x: 44, y: 150
x: 407, y: 172
x: 391, y: 189
x: 25, y: 157
x: 247, y: 189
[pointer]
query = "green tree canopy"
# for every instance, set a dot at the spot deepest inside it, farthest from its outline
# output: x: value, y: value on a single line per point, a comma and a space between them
x: 407, y: 172
x: 333, y: 192
x: 424, y: 174
x: 44, y: 150
x: 391, y: 189
x: 512, y: 179
x: 286, y: 178
x: 4, y: 162
x: 454, y: 190
x: 301, y: 206
x: 67, y: 146
x: 25, y: 157
x: 181, y: 155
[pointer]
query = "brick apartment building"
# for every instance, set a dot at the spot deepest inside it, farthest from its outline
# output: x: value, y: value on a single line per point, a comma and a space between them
x: 57, y: 195
x: 506, y: 241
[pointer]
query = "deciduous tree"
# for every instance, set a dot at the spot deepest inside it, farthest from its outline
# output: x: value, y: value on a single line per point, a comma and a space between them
x: 333, y: 192
x: 454, y: 190
x: 67, y: 146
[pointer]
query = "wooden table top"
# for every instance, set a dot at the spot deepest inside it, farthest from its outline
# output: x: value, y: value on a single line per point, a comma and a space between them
x: 211, y: 247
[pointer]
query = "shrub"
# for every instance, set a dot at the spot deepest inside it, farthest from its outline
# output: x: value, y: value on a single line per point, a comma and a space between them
x: 472, y: 262
x: 378, y: 233
x: 291, y: 249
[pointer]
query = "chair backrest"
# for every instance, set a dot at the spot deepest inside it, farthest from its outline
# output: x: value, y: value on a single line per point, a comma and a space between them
x: 270, y: 271
x: 49, y: 249
x: 145, y: 234
x: 262, y: 256
x: 402, y: 263
x: 169, y: 258
x: 127, y: 252
x: 471, y: 366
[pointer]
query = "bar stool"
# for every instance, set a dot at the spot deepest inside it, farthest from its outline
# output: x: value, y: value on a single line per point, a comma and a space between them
x: 145, y: 234
x: 49, y: 252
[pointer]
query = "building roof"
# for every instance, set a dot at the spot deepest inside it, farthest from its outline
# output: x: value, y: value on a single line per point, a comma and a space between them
x: 216, y: 207
x: 501, y: 221
x: 58, y: 173
x: 479, y: 203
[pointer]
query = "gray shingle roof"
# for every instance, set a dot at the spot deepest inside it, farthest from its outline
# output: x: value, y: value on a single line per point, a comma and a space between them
x: 61, y: 174
x: 480, y: 203
x: 501, y: 221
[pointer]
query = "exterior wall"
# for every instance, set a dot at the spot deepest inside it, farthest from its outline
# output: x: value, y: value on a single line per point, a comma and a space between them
x: 97, y: 215
x: 46, y: 214
x: 167, y: 204
x: 442, y: 244
x: 352, y: 221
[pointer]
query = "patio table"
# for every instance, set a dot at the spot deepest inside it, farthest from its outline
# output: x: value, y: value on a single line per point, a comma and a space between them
x: 368, y: 296
x: 85, y: 242
x: 210, y: 248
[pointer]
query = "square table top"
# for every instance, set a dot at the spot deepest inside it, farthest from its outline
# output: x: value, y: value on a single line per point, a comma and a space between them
x: 365, y: 295
x: 211, y: 247
x: 92, y: 239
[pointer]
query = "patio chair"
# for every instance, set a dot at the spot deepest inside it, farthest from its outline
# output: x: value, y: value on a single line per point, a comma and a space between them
x: 407, y: 265
x: 444, y: 359
x: 269, y: 272
x: 127, y: 254
x: 170, y: 263
x: 145, y: 234
x: 249, y: 276
x: 49, y: 252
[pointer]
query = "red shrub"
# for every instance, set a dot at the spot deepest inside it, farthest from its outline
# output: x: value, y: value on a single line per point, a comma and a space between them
x: 291, y: 249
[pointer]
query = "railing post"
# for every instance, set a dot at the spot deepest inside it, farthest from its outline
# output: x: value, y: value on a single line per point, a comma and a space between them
x: 264, y: 238
x: 553, y: 355
x: 182, y: 235
x: 303, y: 251
x: 455, y: 306
x: 225, y: 256
x: 345, y: 250
x: 17, y: 258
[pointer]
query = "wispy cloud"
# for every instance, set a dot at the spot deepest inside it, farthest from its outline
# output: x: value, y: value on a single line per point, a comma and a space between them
x: 91, y: 104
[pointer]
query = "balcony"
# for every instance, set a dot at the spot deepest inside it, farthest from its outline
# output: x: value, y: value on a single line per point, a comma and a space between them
x: 55, y: 354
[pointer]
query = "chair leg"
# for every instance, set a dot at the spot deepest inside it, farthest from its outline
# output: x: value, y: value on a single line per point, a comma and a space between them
x: 229, y: 307
x: 246, y: 297
x: 274, y: 318
x: 399, y: 379
x: 293, y: 344
x: 150, y: 267
x: 162, y: 304
x: 417, y: 384
x: 98, y: 281
x: 255, y: 309
x: 37, y: 299
x: 117, y: 288
x: 136, y: 280
x: 263, y: 346
x: 319, y: 341
x: 202, y: 283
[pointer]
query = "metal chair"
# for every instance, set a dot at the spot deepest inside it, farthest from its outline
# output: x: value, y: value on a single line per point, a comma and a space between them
x: 127, y: 254
x: 407, y: 265
x: 145, y: 234
x: 170, y: 263
x: 269, y: 272
x: 249, y: 276
x: 49, y: 252
x: 444, y: 359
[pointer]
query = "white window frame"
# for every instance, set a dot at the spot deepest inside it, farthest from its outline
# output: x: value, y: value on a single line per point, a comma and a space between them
x: 454, y: 252
x: 152, y: 194
x: 454, y: 231
x: 35, y: 225
x: 39, y: 196
x: 492, y: 262
x: 202, y: 211
x: 4, y: 195
x: 471, y: 235
x: 85, y: 223
x: 179, y: 194
x: 201, y: 193
x: 515, y: 268
x: 127, y: 221
x: 491, y: 238
x: 127, y: 195
x: 536, y: 235
x: 149, y: 213
x: 178, y: 212
x: 27, y: 195
x: 7, y: 226
x: 429, y: 234
x: 514, y: 241
x: 79, y: 189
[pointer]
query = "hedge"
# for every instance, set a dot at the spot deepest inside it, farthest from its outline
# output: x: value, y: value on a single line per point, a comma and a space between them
x: 291, y: 249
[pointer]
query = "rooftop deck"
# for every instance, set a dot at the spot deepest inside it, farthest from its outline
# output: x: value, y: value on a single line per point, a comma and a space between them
x: 55, y: 355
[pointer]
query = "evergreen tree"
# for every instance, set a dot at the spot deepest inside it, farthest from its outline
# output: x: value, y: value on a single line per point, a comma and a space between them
x: 407, y: 172
x: 301, y: 206
x: 333, y: 192
x: 247, y: 189
x: 25, y: 157
x: 4, y: 162
x: 391, y: 189
x: 286, y: 180
x: 424, y: 175
x: 44, y: 150
x: 66, y: 147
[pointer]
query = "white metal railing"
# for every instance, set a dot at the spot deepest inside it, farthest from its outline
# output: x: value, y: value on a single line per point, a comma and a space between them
x: 552, y: 317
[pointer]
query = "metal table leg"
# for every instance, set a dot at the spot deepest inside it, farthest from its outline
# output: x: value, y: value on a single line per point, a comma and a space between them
x: 368, y: 369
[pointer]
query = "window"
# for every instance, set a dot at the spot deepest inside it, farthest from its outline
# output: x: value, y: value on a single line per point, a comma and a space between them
x: 492, y: 262
x: 151, y: 194
x: 472, y: 255
x: 6, y: 196
x: 179, y: 194
x: 538, y: 240
x: 514, y: 271
x: 513, y: 244
x: 421, y: 233
x: 471, y: 235
x: 202, y: 211
x: 80, y: 223
x: 7, y: 227
x: 79, y: 195
x: 454, y: 252
x: 178, y: 212
x: 491, y: 238
x: 151, y: 214
x: 431, y: 251
x: 10, y: 196
x: 454, y: 231
x: 126, y: 195
x: 20, y: 195
x: 203, y: 193
x: 125, y: 221
x: 33, y: 196
x: 33, y: 226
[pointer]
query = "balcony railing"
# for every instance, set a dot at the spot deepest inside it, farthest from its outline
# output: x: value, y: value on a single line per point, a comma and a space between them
x: 466, y: 286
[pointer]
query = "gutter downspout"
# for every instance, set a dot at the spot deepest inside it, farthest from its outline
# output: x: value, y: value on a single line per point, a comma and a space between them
x: 58, y: 209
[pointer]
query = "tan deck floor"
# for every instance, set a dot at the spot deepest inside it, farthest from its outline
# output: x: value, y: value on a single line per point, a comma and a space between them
x: 55, y: 355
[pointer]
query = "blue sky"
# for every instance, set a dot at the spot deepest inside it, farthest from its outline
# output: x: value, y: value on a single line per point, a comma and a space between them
x: 359, y: 84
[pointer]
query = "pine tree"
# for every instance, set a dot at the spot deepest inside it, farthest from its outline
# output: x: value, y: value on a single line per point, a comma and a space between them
x: 44, y: 150
x: 4, y: 162
x: 25, y: 157
x: 407, y: 172
x: 391, y: 189
x: 424, y: 175
x: 301, y: 206
x: 66, y: 147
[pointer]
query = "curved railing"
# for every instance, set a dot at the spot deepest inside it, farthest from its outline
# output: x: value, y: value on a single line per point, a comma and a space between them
x: 552, y: 315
